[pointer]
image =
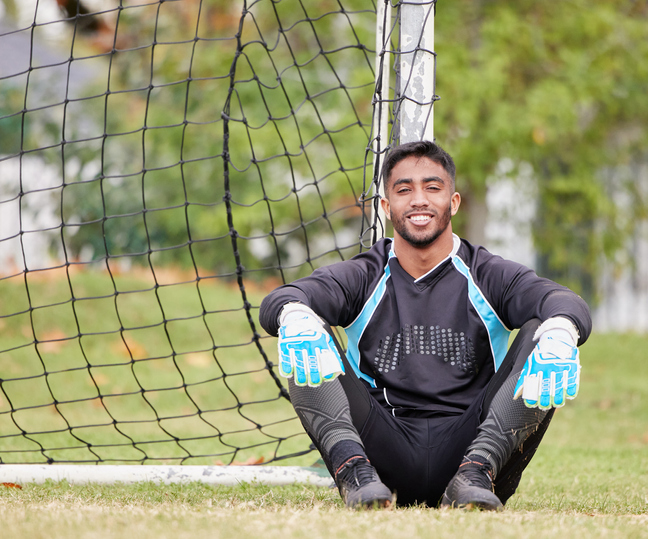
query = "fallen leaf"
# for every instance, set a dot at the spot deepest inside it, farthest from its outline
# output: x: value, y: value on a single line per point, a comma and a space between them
x: 131, y: 347
x: 52, y: 341
x: 99, y: 379
x: 252, y: 461
x: 200, y: 359
x: 605, y: 404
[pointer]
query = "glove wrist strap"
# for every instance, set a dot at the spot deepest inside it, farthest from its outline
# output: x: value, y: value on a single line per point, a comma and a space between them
x: 301, y: 310
x: 557, y: 322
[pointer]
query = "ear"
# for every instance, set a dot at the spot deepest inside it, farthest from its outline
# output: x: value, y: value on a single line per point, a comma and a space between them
x: 385, y: 206
x: 455, y: 202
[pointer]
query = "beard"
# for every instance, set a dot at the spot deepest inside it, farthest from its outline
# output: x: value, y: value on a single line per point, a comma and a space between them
x: 426, y: 237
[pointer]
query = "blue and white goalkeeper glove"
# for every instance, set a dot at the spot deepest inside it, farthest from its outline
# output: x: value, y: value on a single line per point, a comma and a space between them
x: 552, y: 371
x: 306, y: 350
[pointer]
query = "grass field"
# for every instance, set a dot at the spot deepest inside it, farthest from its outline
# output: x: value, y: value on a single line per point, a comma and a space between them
x: 588, y: 479
x: 129, y: 369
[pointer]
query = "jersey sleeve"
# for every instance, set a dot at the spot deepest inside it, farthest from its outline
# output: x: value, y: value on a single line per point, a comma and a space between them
x: 518, y: 294
x: 334, y: 292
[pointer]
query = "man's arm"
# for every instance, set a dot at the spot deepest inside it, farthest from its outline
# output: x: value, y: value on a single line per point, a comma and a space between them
x: 519, y: 295
x: 274, y: 302
x: 298, y: 314
x: 306, y: 349
x: 336, y: 293
x: 330, y: 298
x: 551, y: 374
x: 562, y: 302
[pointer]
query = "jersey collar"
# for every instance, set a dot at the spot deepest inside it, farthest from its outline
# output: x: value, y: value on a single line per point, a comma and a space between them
x: 456, y: 243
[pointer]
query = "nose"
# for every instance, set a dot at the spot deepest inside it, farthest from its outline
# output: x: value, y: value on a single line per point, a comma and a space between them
x: 418, y: 199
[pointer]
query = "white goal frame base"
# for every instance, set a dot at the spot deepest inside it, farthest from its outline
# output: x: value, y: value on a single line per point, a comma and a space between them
x: 213, y: 475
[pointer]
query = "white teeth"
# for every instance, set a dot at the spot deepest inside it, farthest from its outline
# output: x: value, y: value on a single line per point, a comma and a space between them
x: 419, y: 217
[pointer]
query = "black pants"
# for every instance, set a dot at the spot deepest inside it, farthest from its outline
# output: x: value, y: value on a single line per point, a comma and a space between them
x: 417, y: 457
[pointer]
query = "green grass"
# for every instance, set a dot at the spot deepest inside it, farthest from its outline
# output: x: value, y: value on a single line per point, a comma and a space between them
x: 159, y: 373
x: 588, y: 479
x: 145, y: 510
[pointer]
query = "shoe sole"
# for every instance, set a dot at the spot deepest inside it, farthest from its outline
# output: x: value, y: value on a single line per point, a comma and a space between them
x: 379, y: 502
x: 374, y: 504
x: 483, y: 504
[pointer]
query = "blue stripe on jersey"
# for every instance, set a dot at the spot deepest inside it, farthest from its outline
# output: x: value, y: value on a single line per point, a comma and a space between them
x: 356, y: 329
x: 498, y: 334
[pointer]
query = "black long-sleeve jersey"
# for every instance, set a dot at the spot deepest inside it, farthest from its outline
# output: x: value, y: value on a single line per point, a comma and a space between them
x: 427, y: 346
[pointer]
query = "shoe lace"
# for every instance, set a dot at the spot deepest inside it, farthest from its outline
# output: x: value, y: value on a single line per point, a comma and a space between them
x: 356, y: 470
x: 477, y: 473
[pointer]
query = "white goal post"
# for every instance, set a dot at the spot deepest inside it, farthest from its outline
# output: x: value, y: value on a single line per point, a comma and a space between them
x: 211, y: 475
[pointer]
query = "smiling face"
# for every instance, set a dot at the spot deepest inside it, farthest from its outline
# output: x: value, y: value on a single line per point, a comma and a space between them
x: 420, y: 201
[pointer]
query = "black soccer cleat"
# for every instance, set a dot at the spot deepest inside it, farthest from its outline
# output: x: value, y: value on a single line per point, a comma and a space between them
x: 360, y: 486
x: 472, y: 487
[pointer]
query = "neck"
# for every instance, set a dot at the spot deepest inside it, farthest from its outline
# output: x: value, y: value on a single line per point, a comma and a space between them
x: 417, y: 261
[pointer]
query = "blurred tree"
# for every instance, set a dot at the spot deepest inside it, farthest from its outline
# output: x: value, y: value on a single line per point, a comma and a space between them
x: 272, y: 103
x: 272, y: 100
x: 10, y: 8
x: 559, y: 85
x: 84, y: 18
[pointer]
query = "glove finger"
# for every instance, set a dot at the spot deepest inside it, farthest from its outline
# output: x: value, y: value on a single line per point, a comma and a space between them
x: 519, y: 387
x: 573, y: 381
x: 301, y: 359
x: 285, y: 363
x: 285, y: 369
x: 330, y: 364
x: 314, y: 374
x: 530, y: 403
x: 558, y: 398
x: 544, y: 402
x: 531, y: 387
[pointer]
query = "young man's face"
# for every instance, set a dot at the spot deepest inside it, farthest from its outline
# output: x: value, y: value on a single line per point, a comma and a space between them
x: 420, y: 200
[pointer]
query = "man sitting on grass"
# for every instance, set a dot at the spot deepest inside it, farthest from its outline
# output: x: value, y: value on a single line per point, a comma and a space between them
x: 429, y: 408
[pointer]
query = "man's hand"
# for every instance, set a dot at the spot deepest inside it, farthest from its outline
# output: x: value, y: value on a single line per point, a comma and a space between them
x: 306, y: 350
x: 552, y: 371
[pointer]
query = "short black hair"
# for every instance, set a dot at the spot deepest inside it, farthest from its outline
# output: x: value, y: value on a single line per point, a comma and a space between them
x: 422, y: 148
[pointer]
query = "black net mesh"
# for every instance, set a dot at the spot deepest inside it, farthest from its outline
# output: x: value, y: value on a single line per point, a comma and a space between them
x: 163, y: 165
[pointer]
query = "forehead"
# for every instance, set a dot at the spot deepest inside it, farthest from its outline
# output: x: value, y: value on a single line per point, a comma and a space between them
x: 413, y: 168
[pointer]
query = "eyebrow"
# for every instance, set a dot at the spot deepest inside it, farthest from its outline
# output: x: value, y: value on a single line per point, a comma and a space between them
x: 424, y: 180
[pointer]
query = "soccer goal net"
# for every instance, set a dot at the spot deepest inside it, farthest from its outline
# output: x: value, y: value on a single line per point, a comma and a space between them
x: 163, y: 165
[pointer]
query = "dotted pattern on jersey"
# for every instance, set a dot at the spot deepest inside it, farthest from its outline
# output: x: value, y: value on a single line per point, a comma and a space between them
x: 454, y: 348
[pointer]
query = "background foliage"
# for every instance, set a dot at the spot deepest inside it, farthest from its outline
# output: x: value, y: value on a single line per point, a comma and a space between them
x: 202, y: 117
x: 554, y: 85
